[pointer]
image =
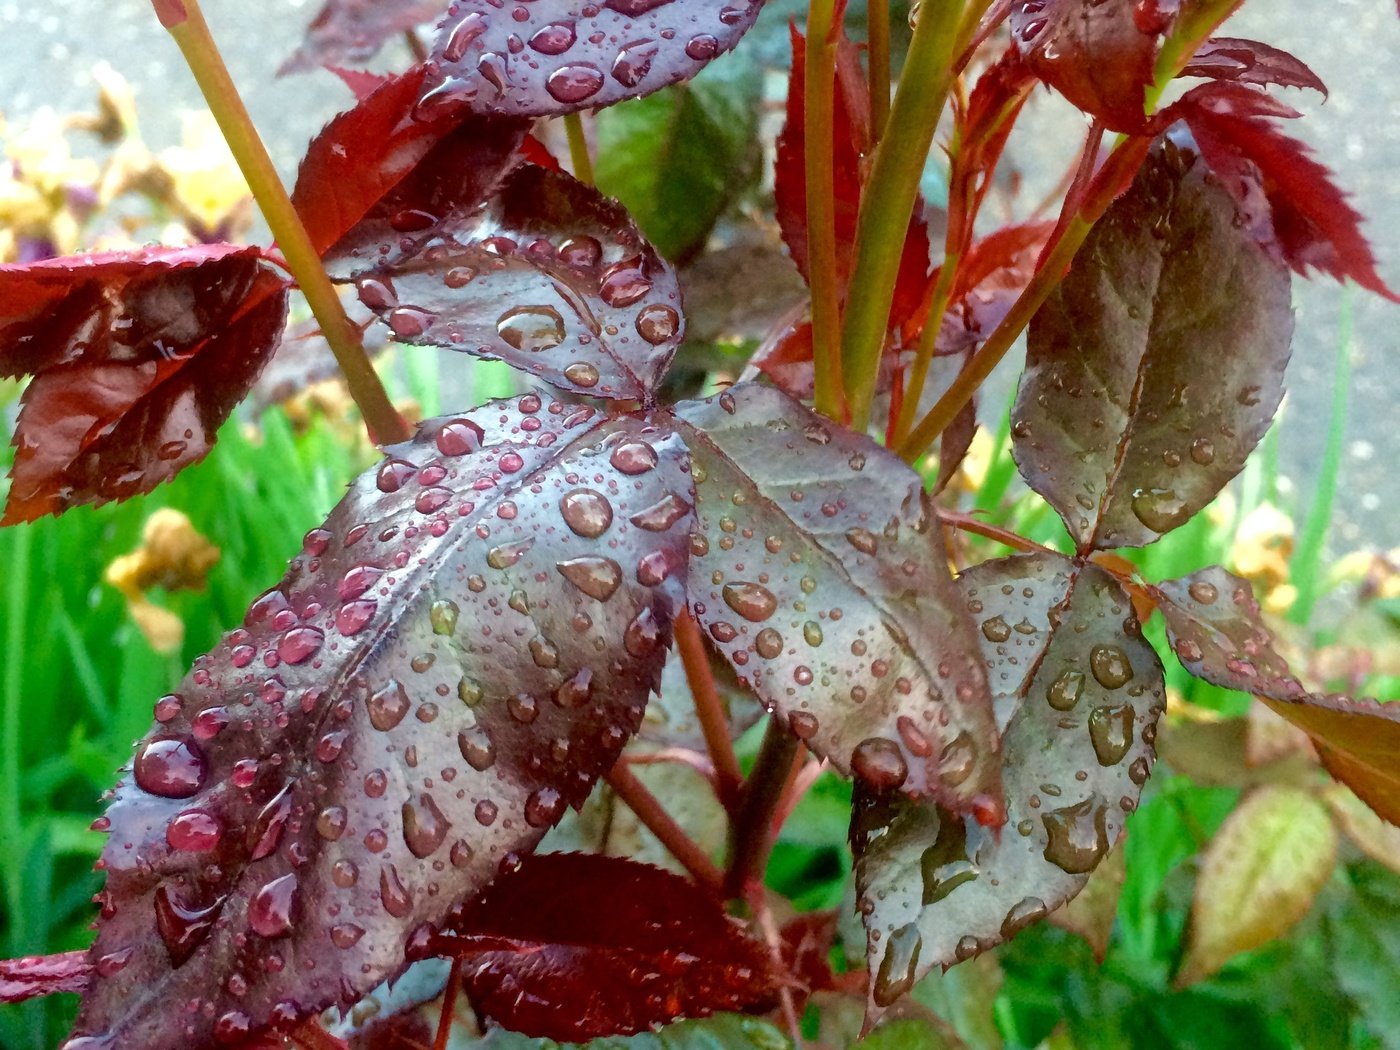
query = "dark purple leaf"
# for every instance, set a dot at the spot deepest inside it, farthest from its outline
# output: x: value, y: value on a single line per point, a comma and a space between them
x: 137, y: 358
x: 1155, y: 367
x: 455, y: 656
x: 381, y: 166
x: 573, y: 946
x: 559, y: 56
x: 1079, y: 693
x: 550, y: 276
x: 348, y: 32
x: 820, y: 574
x: 1215, y: 627
x: 1250, y: 62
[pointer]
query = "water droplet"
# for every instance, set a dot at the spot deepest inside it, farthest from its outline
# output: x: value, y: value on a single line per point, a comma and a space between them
x: 880, y: 763
x: 1021, y: 915
x: 581, y: 373
x: 752, y: 601
x: 862, y: 540
x: 625, y: 282
x: 1111, y: 732
x: 272, y: 910
x: 442, y: 614
x: 459, y: 437
x: 194, y: 830
x: 702, y: 48
x: 523, y: 708
x: 1077, y: 836
x: 574, y: 83
x: 170, y: 768
x: 958, y: 760
x: 769, y: 644
x: 182, y: 927
x: 658, y: 323
x: 463, y: 35
x: 1160, y: 509
x: 899, y: 966
x: 634, y: 457
x: 1203, y: 451
x: 1064, y: 691
x: 531, y: 328
x: 331, y: 822
x: 554, y: 38
x: 387, y: 706
x: 543, y: 807
x: 267, y: 829
x: 346, y: 935
x: 642, y: 635
x: 576, y: 691
x: 506, y: 555
x: 345, y: 873
x: 586, y: 512
x: 424, y: 826
x: 299, y: 644
x: 1110, y: 666
x: 804, y: 724
x: 945, y: 865
x: 543, y: 652
x: 996, y: 629
x: 395, y: 897
x: 598, y: 578
x: 661, y: 515
x: 469, y: 691
x: 919, y: 745
x: 1203, y: 592
x: 476, y: 748
x: 812, y: 632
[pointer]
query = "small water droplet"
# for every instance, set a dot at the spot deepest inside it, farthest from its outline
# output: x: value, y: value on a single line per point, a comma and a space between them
x: 769, y: 644
x: 476, y: 748
x: 442, y: 614
x: 862, y: 540
x: 581, y: 373
x: 598, y: 578
x: 752, y: 601
x: 395, y: 897
x: 1064, y: 691
x: 658, y: 323
x: 1203, y: 592
x: 424, y: 826
x: 996, y: 629
x: 387, y: 706
x: 1203, y: 451
x: 272, y: 909
x: 1022, y: 914
x: 194, y: 831
x: 543, y: 807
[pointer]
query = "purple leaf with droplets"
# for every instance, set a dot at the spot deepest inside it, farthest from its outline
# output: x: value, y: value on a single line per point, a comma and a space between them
x: 550, y: 276
x: 560, y: 56
x: 1078, y: 693
x: 1155, y: 367
x: 349, y: 32
x: 455, y: 656
x: 1215, y: 627
x: 820, y: 574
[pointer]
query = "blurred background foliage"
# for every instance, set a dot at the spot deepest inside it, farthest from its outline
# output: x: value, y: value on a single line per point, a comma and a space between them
x: 1271, y: 925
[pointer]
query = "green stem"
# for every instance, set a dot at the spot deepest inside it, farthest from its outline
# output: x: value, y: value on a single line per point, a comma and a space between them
x: 578, y: 148
x: 819, y: 107
x: 888, y: 201
x: 709, y: 711
x: 751, y: 832
x: 186, y: 24
x: 998, y: 343
x: 878, y: 38
x: 928, y: 342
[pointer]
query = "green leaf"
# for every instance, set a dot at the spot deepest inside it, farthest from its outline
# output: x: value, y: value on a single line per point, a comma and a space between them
x: 908, y: 1034
x: 1365, y: 951
x: 1259, y: 876
x: 679, y: 158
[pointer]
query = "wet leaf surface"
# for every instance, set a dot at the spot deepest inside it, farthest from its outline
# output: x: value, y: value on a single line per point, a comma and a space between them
x: 573, y: 946
x: 378, y: 170
x: 1132, y: 413
x: 455, y: 656
x: 137, y: 358
x: 819, y: 572
x: 549, y: 276
x: 567, y: 55
x: 349, y: 32
x: 1079, y: 693
x: 1215, y: 627
x: 1259, y: 876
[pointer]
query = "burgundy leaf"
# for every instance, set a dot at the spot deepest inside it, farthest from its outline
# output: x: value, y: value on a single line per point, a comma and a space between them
x: 36, y: 975
x: 1250, y: 62
x: 1098, y: 55
x: 851, y: 147
x: 1214, y: 625
x: 559, y: 56
x: 1155, y: 367
x: 455, y: 656
x: 573, y: 946
x: 386, y: 165
x: 550, y: 276
x: 1079, y: 693
x: 1314, y: 225
x: 348, y: 32
x: 821, y: 576
x: 137, y: 358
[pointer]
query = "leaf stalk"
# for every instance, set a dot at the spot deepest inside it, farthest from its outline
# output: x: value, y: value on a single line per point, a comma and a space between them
x: 579, y: 157
x: 709, y: 710
x: 751, y: 831
x: 654, y: 817
x: 196, y: 43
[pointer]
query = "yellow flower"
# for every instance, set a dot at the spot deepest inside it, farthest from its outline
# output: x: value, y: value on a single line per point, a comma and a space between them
x: 172, y: 555
x: 205, y: 180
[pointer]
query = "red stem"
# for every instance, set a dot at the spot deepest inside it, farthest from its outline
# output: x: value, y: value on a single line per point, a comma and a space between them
x: 709, y: 709
x: 660, y: 823
x: 449, y: 1005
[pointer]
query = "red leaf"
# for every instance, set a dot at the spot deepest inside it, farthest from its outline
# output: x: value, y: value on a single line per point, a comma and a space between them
x: 545, y: 59
x: 351, y: 31
x: 1098, y: 55
x: 362, y: 84
x: 379, y: 164
x: 1312, y: 221
x: 137, y: 358
x: 36, y: 975
x: 850, y: 144
x: 1250, y: 62
x: 574, y: 946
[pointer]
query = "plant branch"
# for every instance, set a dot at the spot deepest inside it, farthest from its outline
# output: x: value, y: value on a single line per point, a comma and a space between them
x: 660, y: 823
x: 709, y: 710
x: 978, y: 527
x: 819, y: 107
x: 450, y: 995
x: 751, y: 831
x: 310, y: 1035
x: 928, y: 342
x: 888, y: 201
x: 186, y: 24
x: 878, y: 39
x: 579, y: 156
x: 415, y: 44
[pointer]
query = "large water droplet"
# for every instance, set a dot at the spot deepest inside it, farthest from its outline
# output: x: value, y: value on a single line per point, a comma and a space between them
x: 996, y: 629
x: 633, y: 457
x: 642, y: 635
x: 945, y: 865
x: 1022, y: 914
x: 899, y: 966
x: 1110, y: 666
x: 657, y: 323
x: 1160, y: 509
x: 958, y: 760
x: 543, y: 807
x: 424, y: 826
x: 194, y: 830
x: 1111, y: 731
x: 395, y: 897
x: 625, y: 282
x: 271, y: 821
x: 272, y: 910
x: 661, y: 515
x: 880, y: 763
x: 387, y: 706
x: 581, y: 373
x: 476, y: 748
x: 531, y: 328
x: 299, y: 644
x: 442, y: 615
x: 1077, y: 836
x: 463, y: 35
x: 752, y: 601
x: 1065, y: 690
x: 1203, y: 592
x: 596, y: 577
x: 183, y: 928
x: 554, y: 38
x: 574, y: 83
x: 170, y: 768
x: 586, y: 512
x: 768, y: 644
